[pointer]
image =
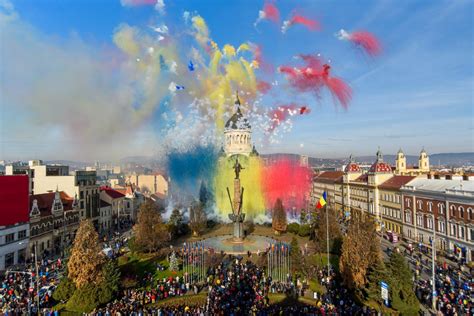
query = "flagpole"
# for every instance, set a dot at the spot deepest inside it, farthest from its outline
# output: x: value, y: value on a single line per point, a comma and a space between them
x: 327, y: 234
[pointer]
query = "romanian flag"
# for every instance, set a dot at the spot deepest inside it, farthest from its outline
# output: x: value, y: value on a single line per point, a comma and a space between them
x: 322, y: 200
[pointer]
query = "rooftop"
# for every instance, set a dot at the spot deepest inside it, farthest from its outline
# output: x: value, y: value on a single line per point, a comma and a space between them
x: 458, y: 187
x: 396, y: 182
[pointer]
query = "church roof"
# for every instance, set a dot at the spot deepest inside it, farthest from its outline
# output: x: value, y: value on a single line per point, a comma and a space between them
x: 352, y: 166
x: 237, y: 120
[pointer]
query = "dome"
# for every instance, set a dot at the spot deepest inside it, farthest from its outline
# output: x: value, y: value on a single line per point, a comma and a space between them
x: 352, y: 166
x: 380, y: 167
x: 237, y: 120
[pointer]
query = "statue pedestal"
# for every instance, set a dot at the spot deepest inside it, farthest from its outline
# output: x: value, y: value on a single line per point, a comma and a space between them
x: 238, y: 226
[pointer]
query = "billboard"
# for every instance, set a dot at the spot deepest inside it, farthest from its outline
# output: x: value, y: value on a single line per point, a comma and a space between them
x: 14, y: 200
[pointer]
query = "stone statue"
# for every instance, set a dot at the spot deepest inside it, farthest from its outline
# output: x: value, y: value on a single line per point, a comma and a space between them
x: 237, y: 168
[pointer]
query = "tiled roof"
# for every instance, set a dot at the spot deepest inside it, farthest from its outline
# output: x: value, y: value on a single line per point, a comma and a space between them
x: 45, y: 202
x: 352, y: 167
x: 114, y: 194
x: 362, y: 178
x: 328, y: 176
x: 396, y: 182
x: 380, y: 167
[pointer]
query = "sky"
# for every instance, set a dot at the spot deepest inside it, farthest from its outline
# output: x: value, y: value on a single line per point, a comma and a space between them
x: 71, y: 86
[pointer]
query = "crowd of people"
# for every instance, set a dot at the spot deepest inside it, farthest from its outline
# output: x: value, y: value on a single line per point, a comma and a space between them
x: 455, y: 295
x: 20, y: 289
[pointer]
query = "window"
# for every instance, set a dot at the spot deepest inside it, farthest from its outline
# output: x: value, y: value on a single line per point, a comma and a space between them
x: 453, y: 229
x: 21, y: 255
x: 461, y: 212
x: 408, y: 217
x: 461, y: 232
x: 82, y: 204
x: 9, y: 238
x: 419, y: 220
x: 430, y: 206
x: 9, y: 259
x: 469, y: 213
x: 429, y: 222
x: 22, y: 234
x: 408, y: 202
x: 453, y: 210
x: 441, y: 226
x: 472, y: 234
x: 441, y: 208
x: 81, y: 195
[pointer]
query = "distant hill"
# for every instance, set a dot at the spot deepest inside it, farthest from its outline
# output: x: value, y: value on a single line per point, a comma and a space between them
x: 444, y: 159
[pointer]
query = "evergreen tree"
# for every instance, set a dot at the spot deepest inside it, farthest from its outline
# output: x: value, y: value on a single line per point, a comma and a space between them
x: 376, y: 273
x: 204, y: 195
x: 402, y: 296
x: 197, y: 218
x: 279, y: 223
x: 150, y: 233
x: 303, y: 217
x: 295, y: 255
x: 173, y: 261
x: 175, y: 223
x: 86, y: 260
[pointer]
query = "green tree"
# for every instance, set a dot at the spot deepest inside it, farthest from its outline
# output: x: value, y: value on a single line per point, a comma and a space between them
x: 86, y: 260
x: 65, y: 290
x: 304, y: 230
x: 173, y: 261
x: 175, y: 223
x: 150, y: 233
x: 376, y: 273
x: 90, y: 296
x: 197, y: 218
x: 295, y: 255
x: 303, y: 217
x: 279, y: 224
x: 293, y: 228
x: 402, y: 296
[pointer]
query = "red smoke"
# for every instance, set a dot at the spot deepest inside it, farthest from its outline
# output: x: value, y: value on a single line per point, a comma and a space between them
x: 281, y: 113
x: 367, y: 41
x: 267, y: 67
x: 314, y: 76
x: 271, y: 12
x: 287, y: 180
x: 312, y: 25
x: 263, y: 86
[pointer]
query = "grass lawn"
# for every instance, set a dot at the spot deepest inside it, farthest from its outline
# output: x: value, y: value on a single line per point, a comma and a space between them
x: 190, y: 300
x: 315, y: 286
x: 321, y: 260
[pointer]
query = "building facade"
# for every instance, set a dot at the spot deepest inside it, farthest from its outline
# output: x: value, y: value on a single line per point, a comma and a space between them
x: 441, y: 210
x: 14, y: 220
x: 54, y: 220
x: 325, y: 182
x: 116, y: 200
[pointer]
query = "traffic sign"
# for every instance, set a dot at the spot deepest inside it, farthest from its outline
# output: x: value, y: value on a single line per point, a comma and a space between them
x: 384, y: 291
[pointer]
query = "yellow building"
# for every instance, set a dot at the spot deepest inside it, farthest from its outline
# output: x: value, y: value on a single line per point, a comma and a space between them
x: 390, y: 201
x: 401, y: 167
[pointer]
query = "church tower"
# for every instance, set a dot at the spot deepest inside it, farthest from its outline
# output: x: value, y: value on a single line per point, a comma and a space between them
x: 401, y: 162
x: 237, y: 134
x: 424, y: 161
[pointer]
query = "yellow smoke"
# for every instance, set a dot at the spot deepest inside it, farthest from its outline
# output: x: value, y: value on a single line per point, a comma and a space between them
x: 226, y: 72
x: 250, y: 180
